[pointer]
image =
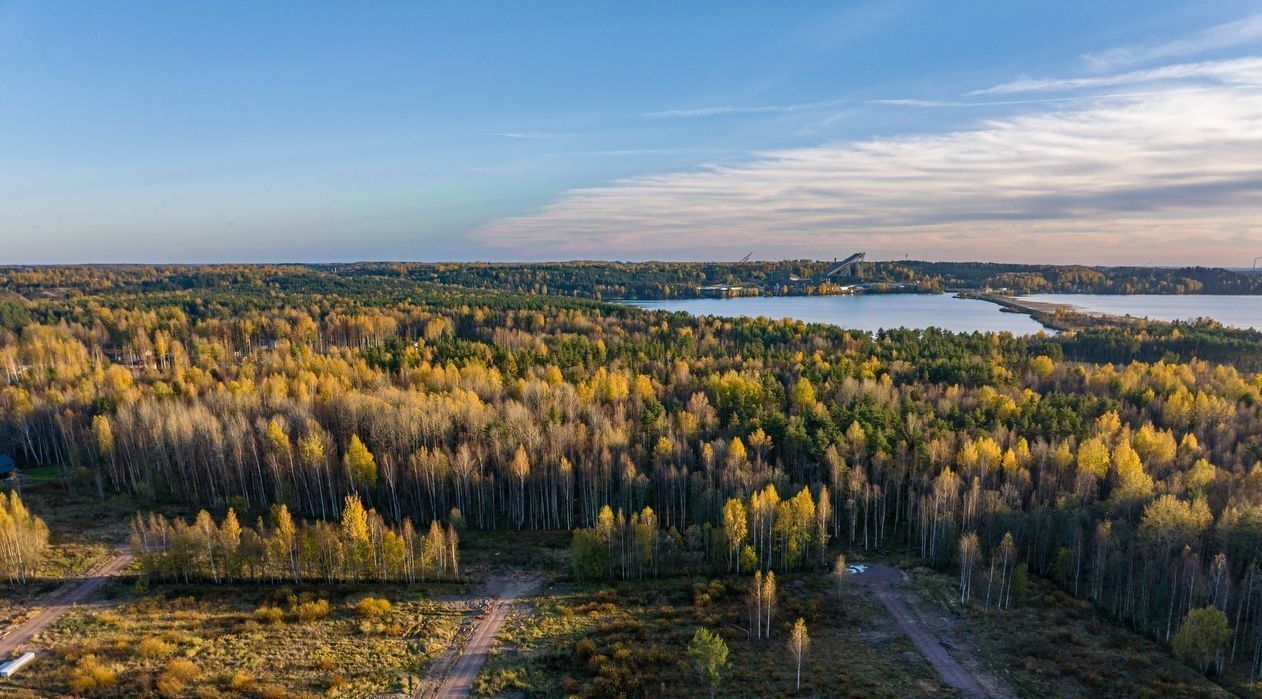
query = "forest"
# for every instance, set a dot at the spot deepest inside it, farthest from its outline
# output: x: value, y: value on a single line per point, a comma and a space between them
x: 357, y: 418
x: 620, y: 280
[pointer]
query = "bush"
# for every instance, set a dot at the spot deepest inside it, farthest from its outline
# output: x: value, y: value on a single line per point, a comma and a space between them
x: 1202, y: 638
x: 272, y: 691
x: 153, y: 648
x: 312, y: 611
x: 584, y: 649
x: 269, y: 615
x: 373, y: 607
x: 242, y: 682
x: 175, y: 678
x: 89, y: 675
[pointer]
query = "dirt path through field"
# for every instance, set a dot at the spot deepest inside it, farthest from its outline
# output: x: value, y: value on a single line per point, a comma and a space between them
x: 59, y: 602
x: 886, y: 584
x: 451, y: 676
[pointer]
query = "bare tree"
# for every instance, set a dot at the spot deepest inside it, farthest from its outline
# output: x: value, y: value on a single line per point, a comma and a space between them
x: 970, y: 552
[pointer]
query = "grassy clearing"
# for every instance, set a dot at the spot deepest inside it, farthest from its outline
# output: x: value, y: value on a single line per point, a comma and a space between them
x: 1054, y: 645
x: 630, y: 639
x: 82, y: 529
x: 78, y: 513
x: 482, y: 551
x: 248, y: 642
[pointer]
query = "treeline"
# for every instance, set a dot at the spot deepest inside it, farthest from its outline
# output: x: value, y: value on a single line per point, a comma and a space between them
x: 1023, y: 279
x: 764, y: 532
x: 603, y: 280
x: 23, y: 539
x: 362, y: 546
x: 1151, y: 342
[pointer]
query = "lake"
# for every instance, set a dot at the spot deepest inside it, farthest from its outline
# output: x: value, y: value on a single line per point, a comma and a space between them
x: 872, y: 312
x: 869, y: 312
x: 1237, y: 311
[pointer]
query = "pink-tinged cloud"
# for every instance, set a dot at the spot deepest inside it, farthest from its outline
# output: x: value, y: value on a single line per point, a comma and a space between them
x: 1172, y: 175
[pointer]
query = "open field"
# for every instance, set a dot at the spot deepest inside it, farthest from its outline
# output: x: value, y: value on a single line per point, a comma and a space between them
x: 630, y: 639
x: 255, y: 641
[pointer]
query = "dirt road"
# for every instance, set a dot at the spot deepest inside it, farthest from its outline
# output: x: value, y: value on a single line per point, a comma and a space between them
x: 884, y: 581
x: 452, y: 677
x: 59, y: 602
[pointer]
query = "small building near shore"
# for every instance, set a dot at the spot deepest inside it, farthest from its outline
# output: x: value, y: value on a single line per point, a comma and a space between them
x: 8, y: 467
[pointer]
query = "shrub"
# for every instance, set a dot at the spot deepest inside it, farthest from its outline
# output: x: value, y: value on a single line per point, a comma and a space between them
x: 584, y: 649
x: 175, y: 678
x: 153, y: 648
x: 170, y: 687
x: 183, y: 669
x: 1202, y: 638
x: 89, y: 675
x: 373, y: 607
x: 269, y: 615
x: 272, y: 691
x: 312, y: 611
x: 242, y: 682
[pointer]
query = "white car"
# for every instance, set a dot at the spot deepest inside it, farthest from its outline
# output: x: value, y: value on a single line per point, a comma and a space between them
x: 856, y: 569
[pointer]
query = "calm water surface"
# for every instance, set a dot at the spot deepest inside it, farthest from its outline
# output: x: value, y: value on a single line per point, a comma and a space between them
x: 863, y: 312
x: 1238, y: 311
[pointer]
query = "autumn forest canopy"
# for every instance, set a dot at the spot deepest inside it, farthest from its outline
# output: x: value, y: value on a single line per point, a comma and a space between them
x: 348, y: 422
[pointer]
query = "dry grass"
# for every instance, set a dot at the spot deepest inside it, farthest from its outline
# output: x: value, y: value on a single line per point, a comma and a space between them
x: 630, y: 640
x: 209, y: 642
x: 1051, y: 644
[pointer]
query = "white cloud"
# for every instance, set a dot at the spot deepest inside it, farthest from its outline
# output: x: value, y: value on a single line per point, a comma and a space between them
x: 1169, y: 175
x: 1221, y: 36
x: 1231, y: 72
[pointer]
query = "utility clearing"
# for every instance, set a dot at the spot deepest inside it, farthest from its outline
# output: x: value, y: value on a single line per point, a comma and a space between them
x: 451, y: 675
x: 890, y: 588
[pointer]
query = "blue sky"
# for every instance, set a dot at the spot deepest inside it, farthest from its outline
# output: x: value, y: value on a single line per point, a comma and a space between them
x: 1088, y: 132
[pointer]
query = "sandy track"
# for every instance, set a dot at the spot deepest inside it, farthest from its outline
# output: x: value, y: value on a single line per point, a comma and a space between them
x: 59, y: 602
x: 452, y: 677
x: 882, y: 579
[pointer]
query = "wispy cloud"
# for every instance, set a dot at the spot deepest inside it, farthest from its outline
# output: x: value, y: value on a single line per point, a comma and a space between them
x: 729, y: 109
x: 953, y: 104
x: 1177, y: 170
x: 1236, y: 71
x: 726, y: 110
x: 1220, y: 36
x: 532, y: 135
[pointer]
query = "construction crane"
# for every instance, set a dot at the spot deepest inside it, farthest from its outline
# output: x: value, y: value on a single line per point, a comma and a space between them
x: 1255, y: 261
x: 745, y: 259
